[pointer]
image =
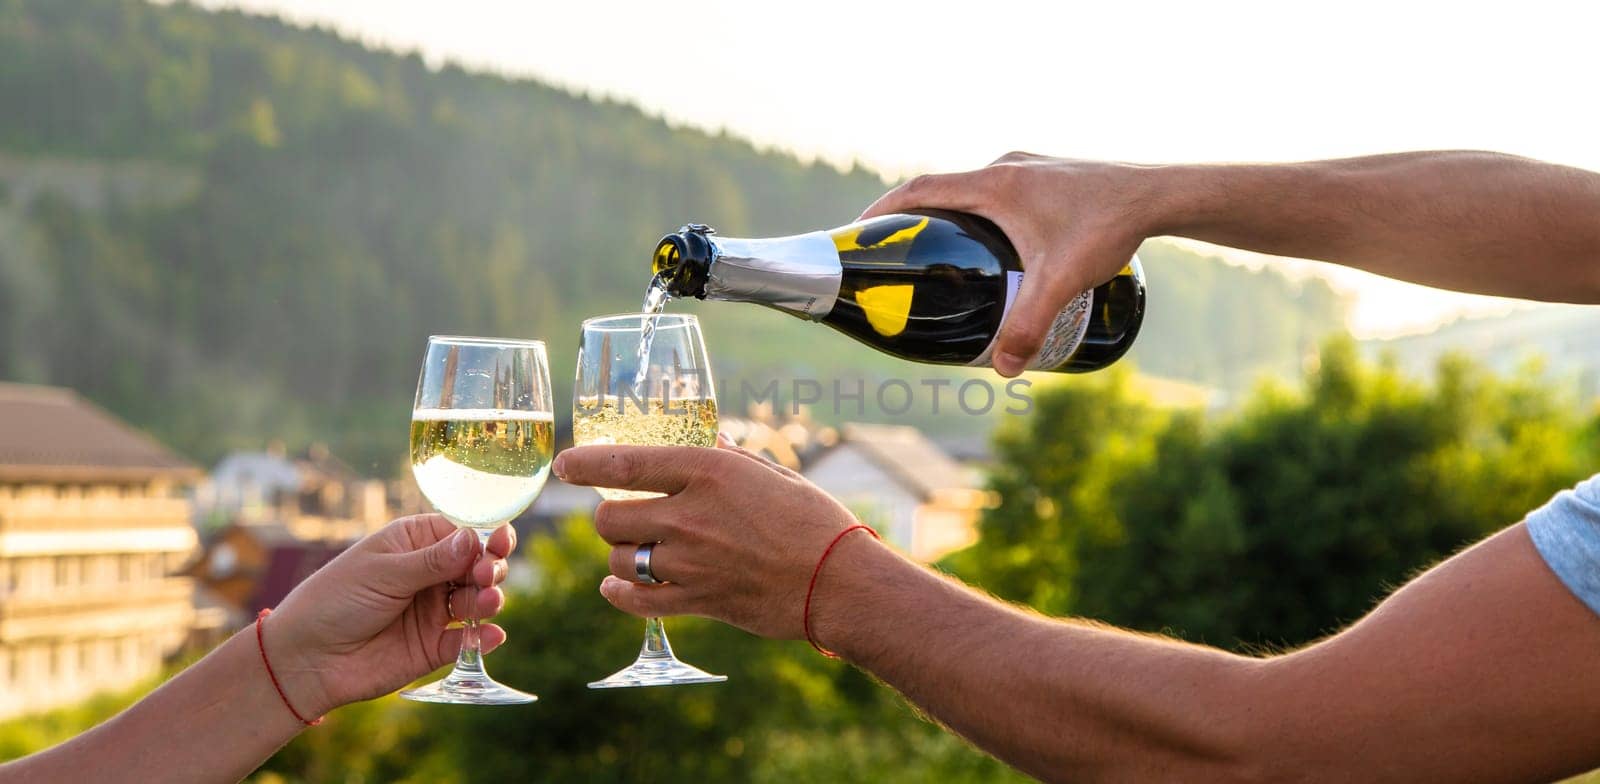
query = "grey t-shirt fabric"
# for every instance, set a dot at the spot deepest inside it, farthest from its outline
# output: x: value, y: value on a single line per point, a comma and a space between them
x: 1566, y: 532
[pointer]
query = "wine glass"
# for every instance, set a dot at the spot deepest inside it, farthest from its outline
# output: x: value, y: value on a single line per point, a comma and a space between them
x: 482, y: 434
x: 645, y: 379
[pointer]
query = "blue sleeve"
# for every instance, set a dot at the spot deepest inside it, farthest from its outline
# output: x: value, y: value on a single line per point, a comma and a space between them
x: 1566, y: 532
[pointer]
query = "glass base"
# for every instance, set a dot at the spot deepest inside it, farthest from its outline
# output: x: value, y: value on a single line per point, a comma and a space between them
x: 656, y: 666
x: 656, y: 672
x: 468, y: 690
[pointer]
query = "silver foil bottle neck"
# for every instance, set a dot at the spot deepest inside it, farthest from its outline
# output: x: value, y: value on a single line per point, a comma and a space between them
x: 799, y: 274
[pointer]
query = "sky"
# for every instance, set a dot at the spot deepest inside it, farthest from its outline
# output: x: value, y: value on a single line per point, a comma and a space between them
x: 934, y: 86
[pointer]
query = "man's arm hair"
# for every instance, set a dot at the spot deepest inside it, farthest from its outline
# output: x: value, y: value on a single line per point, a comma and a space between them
x: 1479, y: 222
x: 1485, y: 668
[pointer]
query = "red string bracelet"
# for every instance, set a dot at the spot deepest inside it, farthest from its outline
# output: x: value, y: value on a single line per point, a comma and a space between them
x: 810, y: 589
x: 261, y: 616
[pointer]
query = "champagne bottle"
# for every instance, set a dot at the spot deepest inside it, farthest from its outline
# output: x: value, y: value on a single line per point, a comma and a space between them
x: 928, y: 286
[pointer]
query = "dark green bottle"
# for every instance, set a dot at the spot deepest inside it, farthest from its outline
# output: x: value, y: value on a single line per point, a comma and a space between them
x: 928, y: 286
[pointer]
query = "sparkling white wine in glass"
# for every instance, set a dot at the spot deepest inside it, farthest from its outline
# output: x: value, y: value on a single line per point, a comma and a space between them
x: 644, y: 379
x: 655, y: 423
x: 482, y: 434
x: 481, y: 468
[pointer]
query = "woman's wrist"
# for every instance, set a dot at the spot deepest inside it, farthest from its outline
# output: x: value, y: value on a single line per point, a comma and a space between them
x: 297, y: 673
x: 232, y: 681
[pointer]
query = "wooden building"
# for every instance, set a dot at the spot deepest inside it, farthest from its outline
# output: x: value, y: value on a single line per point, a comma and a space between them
x: 272, y: 520
x: 904, y: 485
x: 93, y: 527
x: 248, y: 566
x: 317, y: 496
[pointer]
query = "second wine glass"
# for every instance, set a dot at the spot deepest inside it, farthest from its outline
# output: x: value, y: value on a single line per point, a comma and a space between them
x: 658, y: 395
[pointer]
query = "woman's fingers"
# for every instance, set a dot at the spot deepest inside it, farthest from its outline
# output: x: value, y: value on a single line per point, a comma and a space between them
x: 448, y: 644
x: 443, y: 605
x: 490, y: 602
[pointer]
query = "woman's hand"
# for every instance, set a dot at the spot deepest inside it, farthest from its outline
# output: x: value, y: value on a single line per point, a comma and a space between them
x: 374, y: 619
x: 1074, y: 223
x: 369, y: 622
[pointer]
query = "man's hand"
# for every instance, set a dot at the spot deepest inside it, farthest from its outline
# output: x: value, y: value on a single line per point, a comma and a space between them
x: 738, y: 535
x: 375, y: 619
x: 1468, y: 221
x: 1074, y: 225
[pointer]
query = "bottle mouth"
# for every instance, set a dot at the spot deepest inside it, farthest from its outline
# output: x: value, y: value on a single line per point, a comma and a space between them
x: 669, y: 254
x: 682, y: 262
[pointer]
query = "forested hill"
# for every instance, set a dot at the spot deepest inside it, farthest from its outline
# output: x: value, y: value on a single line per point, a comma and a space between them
x: 227, y: 228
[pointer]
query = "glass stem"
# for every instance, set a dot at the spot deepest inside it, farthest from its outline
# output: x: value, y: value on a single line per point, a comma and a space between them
x: 656, y: 645
x: 469, y: 661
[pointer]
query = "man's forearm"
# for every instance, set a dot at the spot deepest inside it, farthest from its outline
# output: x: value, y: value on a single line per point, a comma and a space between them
x: 1470, y: 221
x: 1480, y: 670
x: 1056, y: 699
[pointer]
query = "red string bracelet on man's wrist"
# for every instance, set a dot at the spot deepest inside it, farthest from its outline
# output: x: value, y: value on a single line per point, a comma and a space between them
x: 810, y: 589
x: 261, y: 644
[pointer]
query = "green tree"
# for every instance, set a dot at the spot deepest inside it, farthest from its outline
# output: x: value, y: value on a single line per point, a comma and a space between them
x: 1280, y: 523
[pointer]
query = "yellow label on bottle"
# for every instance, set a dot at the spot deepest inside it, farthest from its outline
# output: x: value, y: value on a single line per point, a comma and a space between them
x: 849, y: 238
x: 887, y: 307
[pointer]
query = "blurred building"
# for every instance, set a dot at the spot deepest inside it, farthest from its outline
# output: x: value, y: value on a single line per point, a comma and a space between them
x: 314, y: 494
x: 917, y: 497
x: 93, y: 527
x: 247, y: 566
x: 789, y: 441
x: 273, y: 520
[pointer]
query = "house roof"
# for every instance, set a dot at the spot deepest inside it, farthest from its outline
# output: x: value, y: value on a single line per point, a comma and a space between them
x: 285, y: 562
x: 271, y: 470
x: 259, y: 469
x: 52, y: 434
x: 907, y: 455
x: 319, y: 464
x: 787, y: 445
